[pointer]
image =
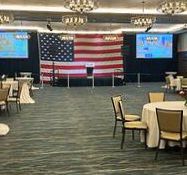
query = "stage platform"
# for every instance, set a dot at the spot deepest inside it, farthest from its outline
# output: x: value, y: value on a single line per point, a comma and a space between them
x: 76, y: 82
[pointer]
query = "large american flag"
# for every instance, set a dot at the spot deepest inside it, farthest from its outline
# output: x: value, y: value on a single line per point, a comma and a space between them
x: 72, y: 57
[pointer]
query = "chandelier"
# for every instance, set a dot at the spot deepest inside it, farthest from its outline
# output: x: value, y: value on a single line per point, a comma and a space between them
x: 6, y: 18
x: 66, y: 37
x: 172, y: 7
x: 74, y: 20
x: 110, y: 37
x: 143, y: 20
x: 22, y: 36
x: 81, y: 6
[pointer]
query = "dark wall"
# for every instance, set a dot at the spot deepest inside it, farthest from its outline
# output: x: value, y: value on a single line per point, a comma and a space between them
x: 151, y: 70
x: 10, y: 66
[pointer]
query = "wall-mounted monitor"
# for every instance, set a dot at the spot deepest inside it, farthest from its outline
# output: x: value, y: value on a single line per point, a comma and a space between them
x: 12, y: 46
x: 154, y: 46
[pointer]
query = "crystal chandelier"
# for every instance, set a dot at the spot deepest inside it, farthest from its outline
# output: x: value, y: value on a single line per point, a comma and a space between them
x: 81, y: 6
x: 172, y: 7
x: 74, y: 20
x: 66, y: 37
x: 143, y: 20
x: 6, y: 18
x: 110, y: 37
x: 22, y: 36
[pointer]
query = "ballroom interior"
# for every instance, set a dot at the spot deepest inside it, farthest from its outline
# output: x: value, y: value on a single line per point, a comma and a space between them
x: 93, y: 87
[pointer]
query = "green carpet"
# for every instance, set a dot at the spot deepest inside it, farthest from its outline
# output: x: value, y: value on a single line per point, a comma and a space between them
x: 69, y: 132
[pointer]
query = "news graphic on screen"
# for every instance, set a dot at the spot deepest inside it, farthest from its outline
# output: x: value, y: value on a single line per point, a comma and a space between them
x: 12, y: 46
x: 154, y: 46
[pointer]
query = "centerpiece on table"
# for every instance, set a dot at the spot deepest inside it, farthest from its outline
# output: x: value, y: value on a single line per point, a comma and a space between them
x: 183, y: 93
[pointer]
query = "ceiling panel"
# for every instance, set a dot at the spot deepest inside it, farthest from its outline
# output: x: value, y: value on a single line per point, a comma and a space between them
x: 96, y: 20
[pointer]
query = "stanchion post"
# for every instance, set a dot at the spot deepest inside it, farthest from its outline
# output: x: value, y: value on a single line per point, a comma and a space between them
x: 138, y: 77
x: 93, y: 81
x: 42, y: 83
x: 113, y: 80
x: 68, y: 80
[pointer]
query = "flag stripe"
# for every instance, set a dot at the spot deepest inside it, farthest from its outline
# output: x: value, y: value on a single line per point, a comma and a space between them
x: 106, y: 59
x: 95, y: 44
x: 97, y: 51
x: 98, y: 48
x: 94, y: 36
x: 81, y: 63
x: 56, y: 67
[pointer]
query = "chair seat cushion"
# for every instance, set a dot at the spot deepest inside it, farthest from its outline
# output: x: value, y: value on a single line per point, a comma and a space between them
x: 135, y: 125
x: 131, y: 117
x: 4, y: 129
x: 173, y: 135
x: 2, y: 103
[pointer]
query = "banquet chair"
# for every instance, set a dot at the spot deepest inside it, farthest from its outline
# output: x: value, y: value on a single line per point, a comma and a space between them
x: 170, y: 128
x: 4, y: 98
x: 117, y: 115
x: 30, y: 84
x: 16, y: 97
x: 131, y: 125
x: 170, y: 85
x: 184, y: 83
x: 156, y: 97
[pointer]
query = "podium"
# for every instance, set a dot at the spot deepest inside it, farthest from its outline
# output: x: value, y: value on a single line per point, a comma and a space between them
x: 90, y: 72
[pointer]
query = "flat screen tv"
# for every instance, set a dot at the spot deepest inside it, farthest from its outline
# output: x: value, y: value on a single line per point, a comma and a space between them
x: 12, y: 46
x: 154, y: 46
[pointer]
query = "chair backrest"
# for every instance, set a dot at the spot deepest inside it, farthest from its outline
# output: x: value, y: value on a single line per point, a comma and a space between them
x: 115, y: 103
x: 6, y: 86
x: 167, y: 80
x: 20, y: 86
x: 9, y: 79
x: 169, y: 120
x: 4, y: 94
x: 184, y: 81
x: 121, y: 109
x: 156, y: 97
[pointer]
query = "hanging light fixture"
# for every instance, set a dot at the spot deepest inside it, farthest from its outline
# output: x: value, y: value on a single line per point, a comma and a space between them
x: 6, y: 18
x: 110, y: 36
x: 172, y: 7
x: 22, y: 35
x: 74, y: 20
x: 143, y: 20
x: 66, y: 37
x: 81, y: 6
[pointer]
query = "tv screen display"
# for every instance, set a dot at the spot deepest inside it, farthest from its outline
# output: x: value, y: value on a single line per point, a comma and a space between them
x: 12, y: 46
x: 154, y: 46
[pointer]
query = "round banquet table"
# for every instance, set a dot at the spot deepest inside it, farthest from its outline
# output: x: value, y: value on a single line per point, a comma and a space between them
x: 149, y: 116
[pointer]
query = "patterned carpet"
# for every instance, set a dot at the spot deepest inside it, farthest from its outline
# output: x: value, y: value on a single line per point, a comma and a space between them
x: 69, y: 132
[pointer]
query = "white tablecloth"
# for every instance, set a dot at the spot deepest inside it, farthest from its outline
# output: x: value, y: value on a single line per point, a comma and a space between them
x: 149, y: 116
